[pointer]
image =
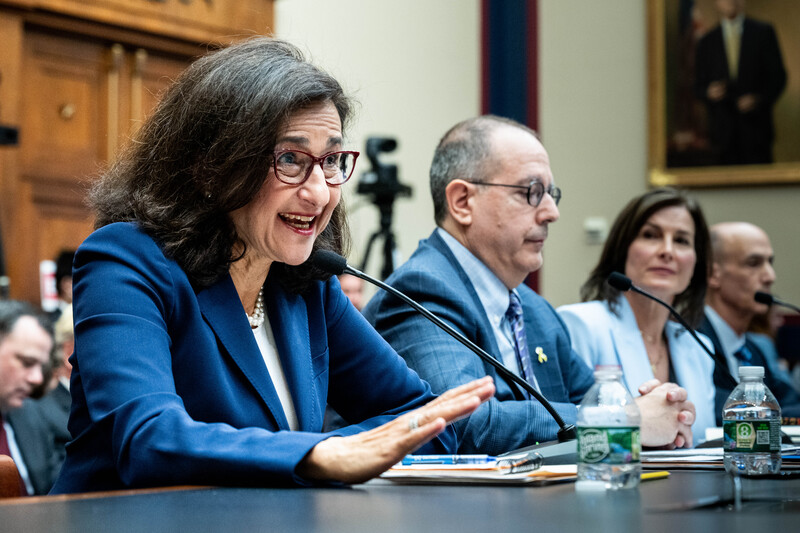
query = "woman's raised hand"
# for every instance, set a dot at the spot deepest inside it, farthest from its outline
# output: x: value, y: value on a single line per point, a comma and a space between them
x: 361, y: 457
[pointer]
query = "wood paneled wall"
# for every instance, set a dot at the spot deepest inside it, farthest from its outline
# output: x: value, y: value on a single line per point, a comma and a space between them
x: 77, y: 78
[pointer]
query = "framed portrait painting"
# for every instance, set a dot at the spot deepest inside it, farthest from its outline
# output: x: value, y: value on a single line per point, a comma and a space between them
x: 724, y: 92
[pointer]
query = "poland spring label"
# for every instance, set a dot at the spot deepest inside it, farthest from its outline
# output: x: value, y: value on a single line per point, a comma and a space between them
x: 752, y: 435
x: 609, y: 445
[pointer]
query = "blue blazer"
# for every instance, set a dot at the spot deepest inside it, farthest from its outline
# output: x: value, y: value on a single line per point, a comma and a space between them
x: 433, y: 277
x: 604, y: 338
x: 169, y: 386
x: 776, y: 379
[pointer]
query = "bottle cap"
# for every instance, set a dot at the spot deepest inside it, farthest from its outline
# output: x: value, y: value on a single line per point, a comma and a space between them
x: 607, y: 370
x: 751, y: 371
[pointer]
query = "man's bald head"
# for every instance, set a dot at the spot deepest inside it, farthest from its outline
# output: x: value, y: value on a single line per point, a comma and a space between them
x: 726, y: 235
x: 741, y: 266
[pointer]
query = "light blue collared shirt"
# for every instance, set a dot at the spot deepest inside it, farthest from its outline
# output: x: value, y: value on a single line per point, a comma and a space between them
x: 728, y: 339
x: 16, y: 455
x: 494, y: 297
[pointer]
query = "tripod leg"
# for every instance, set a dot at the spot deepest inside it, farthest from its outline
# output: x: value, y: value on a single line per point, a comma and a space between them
x: 388, y: 254
x: 370, y: 242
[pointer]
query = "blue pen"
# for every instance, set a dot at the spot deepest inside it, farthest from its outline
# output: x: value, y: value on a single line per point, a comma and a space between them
x: 447, y: 459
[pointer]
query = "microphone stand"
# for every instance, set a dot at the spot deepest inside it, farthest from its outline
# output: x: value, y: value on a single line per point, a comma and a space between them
x: 566, y: 431
x: 768, y: 299
x: 678, y: 317
x: 623, y: 283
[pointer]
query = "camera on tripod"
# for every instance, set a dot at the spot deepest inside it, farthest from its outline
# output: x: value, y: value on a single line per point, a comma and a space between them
x: 381, y: 183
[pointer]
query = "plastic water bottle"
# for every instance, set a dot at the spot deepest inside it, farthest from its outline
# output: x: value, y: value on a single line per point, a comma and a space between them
x: 609, y: 448
x: 751, y: 424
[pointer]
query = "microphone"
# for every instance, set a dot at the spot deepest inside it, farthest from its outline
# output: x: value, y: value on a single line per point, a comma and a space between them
x: 334, y: 263
x: 623, y: 283
x: 768, y: 299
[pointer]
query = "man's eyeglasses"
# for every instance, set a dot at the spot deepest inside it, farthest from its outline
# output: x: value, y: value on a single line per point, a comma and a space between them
x: 535, y: 191
x: 293, y: 167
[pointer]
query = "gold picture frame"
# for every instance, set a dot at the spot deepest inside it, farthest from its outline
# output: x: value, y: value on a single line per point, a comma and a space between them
x: 662, y: 15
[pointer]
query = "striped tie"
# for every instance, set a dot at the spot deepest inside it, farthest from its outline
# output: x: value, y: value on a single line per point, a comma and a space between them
x: 517, y: 322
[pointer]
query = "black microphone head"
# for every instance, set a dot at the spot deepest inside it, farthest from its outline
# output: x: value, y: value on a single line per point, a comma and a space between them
x: 764, y: 298
x: 329, y: 262
x: 621, y: 282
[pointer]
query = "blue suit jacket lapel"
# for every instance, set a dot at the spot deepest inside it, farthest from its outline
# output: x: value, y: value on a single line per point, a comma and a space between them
x: 476, y: 306
x: 629, y: 347
x: 547, y: 372
x: 288, y: 316
x: 471, y: 298
x: 222, y: 309
x: 487, y: 332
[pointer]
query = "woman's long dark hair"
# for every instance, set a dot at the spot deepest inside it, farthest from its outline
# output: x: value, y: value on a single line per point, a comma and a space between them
x: 626, y: 227
x: 206, y: 151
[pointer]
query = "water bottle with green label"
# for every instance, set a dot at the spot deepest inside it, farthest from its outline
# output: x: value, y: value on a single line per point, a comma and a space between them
x: 751, y: 424
x: 608, y: 434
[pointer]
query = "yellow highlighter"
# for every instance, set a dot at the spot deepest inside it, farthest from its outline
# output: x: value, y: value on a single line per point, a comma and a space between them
x: 661, y: 474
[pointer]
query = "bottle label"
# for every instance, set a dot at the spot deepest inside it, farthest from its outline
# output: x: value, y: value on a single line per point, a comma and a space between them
x: 609, y: 445
x: 752, y: 435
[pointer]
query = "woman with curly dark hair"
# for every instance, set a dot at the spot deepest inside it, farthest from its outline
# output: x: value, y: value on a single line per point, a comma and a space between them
x: 660, y: 241
x: 207, y: 346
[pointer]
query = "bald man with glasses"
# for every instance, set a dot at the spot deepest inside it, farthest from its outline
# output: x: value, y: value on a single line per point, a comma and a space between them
x: 494, y: 198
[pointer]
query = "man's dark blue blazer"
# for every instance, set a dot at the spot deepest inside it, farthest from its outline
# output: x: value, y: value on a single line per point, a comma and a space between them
x: 779, y: 384
x: 433, y: 277
x: 169, y: 386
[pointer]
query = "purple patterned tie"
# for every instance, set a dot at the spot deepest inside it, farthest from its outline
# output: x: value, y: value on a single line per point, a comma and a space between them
x: 517, y: 321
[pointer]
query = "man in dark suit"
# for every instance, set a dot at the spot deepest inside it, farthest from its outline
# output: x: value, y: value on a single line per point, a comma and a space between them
x: 35, y: 443
x: 742, y: 265
x: 40, y: 426
x: 494, y: 199
x: 25, y: 345
x: 739, y: 74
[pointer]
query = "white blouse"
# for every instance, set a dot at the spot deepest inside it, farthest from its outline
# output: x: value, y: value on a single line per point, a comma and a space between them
x: 266, y: 343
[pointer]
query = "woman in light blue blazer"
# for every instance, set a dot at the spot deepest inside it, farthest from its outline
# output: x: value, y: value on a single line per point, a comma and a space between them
x: 206, y: 346
x: 660, y: 241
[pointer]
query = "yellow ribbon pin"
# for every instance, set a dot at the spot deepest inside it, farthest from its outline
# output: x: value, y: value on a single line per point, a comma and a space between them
x: 541, y: 354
